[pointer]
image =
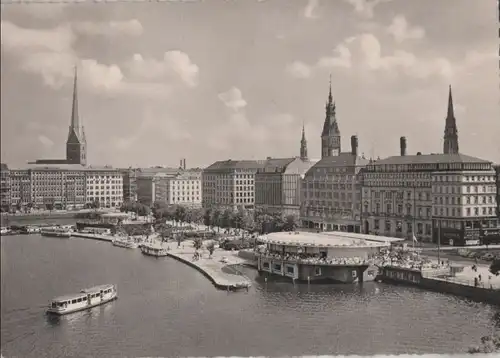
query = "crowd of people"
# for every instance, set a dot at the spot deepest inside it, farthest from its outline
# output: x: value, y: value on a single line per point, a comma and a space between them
x: 313, y: 259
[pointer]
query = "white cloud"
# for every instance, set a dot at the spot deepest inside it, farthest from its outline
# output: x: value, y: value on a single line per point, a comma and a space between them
x: 309, y: 11
x: 402, y: 60
x: 174, y: 64
x: 401, y: 30
x: 299, y: 69
x: 342, y: 57
x: 112, y: 28
x: 50, y: 54
x: 233, y: 99
x: 365, y: 8
x: 45, y: 141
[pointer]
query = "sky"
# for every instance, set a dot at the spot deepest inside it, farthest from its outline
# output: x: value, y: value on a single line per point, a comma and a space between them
x: 236, y: 79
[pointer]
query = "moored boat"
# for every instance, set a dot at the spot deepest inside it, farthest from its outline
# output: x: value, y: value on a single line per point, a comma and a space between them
x: 126, y: 243
x: 4, y: 230
x: 56, y: 232
x: 86, y: 298
x: 152, y: 250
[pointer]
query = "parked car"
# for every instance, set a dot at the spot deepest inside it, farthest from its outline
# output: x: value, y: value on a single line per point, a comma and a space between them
x: 488, y: 256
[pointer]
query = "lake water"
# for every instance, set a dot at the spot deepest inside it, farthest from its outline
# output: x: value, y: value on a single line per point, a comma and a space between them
x: 166, y: 308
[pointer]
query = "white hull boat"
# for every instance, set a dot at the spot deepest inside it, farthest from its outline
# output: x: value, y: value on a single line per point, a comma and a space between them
x: 56, y: 232
x: 125, y: 244
x: 151, y: 250
x: 85, y: 299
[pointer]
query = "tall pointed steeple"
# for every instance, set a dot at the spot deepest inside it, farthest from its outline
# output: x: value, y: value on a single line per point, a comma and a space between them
x: 75, y: 119
x: 303, y: 144
x: 450, y: 145
x: 76, y: 145
x: 330, y: 136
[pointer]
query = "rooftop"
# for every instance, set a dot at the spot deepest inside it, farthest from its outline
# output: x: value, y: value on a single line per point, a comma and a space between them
x: 429, y: 159
x: 325, y: 239
x: 236, y: 164
x: 72, y: 167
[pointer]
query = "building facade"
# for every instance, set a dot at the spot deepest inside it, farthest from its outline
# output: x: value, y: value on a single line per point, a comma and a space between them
x: 447, y: 198
x: 497, y: 171
x: 230, y: 183
x: 129, y: 184
x: 4, y: 187
x: 185, y: 189
x: 332, y: 191
x: 152, y: 184
x: 278, y: 185
x: 65, y: 187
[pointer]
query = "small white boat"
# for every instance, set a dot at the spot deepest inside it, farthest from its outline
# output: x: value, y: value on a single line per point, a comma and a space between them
x: 128, y: 244
x: 4, y: 230
x: 56, y: 232
x: 87, y: 298
x: 152, y: 250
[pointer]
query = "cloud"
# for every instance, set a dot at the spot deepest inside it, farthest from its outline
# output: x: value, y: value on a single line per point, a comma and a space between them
x: 50, y: 53
x: 298, y: 69
x: 46, y: 142
x: 341, y: 58
x: 233, y: 99
x: 401, y: 60
x: 309, y: 11
x: 112, y: 28
x: 365, y: 8
x: 174, y: 64
x: 401, y: 30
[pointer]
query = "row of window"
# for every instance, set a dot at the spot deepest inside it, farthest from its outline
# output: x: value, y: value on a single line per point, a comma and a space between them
x: 468, y: 200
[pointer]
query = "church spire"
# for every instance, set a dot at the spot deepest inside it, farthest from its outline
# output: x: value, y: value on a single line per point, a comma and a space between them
x: 303, y: 144
x: 75, y: 119
x: 450, y: 145
x: 330, y: 97
x: 330, y: 136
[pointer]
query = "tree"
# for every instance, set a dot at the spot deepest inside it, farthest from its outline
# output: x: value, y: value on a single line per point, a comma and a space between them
x: 198, y: 243
x: 291, y: 223
x: 495, y: 267
x: 180, y: 213
x: 211, y: 248
x: 489, y: 344
x: 207, y: 218
x: 197, y: 215
x: 226, y: 218
x: 215, y: 220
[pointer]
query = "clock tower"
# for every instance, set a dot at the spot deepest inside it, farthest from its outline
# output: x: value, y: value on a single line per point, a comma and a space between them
x: 330, y: 137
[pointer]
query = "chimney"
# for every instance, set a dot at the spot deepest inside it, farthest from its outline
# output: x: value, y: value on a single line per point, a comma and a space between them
x: 402, y: 146
x: 180, y: 163
x: 354, y: 145
x: 184, y: 164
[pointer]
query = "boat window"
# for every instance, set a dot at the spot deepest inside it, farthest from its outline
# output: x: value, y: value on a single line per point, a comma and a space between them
x: 54, y: 304
x: 73, y: 301
x: 79, y: 300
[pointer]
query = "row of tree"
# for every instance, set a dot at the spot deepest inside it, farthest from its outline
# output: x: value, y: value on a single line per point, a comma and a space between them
x: 241, y: 218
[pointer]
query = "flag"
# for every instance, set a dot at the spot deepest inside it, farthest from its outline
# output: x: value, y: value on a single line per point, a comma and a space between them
x: 414, y: 238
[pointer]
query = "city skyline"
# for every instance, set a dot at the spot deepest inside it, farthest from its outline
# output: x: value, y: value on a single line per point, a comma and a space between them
x: 223, y: 94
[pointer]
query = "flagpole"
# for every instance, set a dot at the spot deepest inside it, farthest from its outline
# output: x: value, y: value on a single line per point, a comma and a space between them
x: 439, y: 242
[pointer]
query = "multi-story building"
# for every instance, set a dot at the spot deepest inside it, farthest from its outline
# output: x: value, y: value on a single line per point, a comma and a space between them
x: 332, y: 187
x: 448, y: 198
x: 129, y: 184
x: 105, y: 186
x: 65, y: 186
x: 4, y: 187
x: 185, y: 189
x: 230, y: 183
x: 278, y: 184
x: 497, y: 171
x: 152, y: 184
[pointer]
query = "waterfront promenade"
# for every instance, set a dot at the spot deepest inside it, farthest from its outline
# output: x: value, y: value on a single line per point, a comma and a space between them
x: 213, y: 266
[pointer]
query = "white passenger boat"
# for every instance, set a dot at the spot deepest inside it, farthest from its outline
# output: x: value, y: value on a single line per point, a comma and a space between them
x: 153, y: 250
x: 56, y: 232
x: 126, y: 243
x: 87, y: 298
x: 4, y: 230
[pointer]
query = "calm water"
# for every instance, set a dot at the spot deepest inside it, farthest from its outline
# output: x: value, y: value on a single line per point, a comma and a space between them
x: 168, y: 309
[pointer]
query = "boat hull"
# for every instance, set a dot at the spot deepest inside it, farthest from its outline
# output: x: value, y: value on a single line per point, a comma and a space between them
x: 78, y: 309
x: 125, y: 245
x: 60, y: 235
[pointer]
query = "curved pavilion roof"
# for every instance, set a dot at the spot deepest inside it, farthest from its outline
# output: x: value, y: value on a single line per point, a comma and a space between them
x: 327, y: 239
